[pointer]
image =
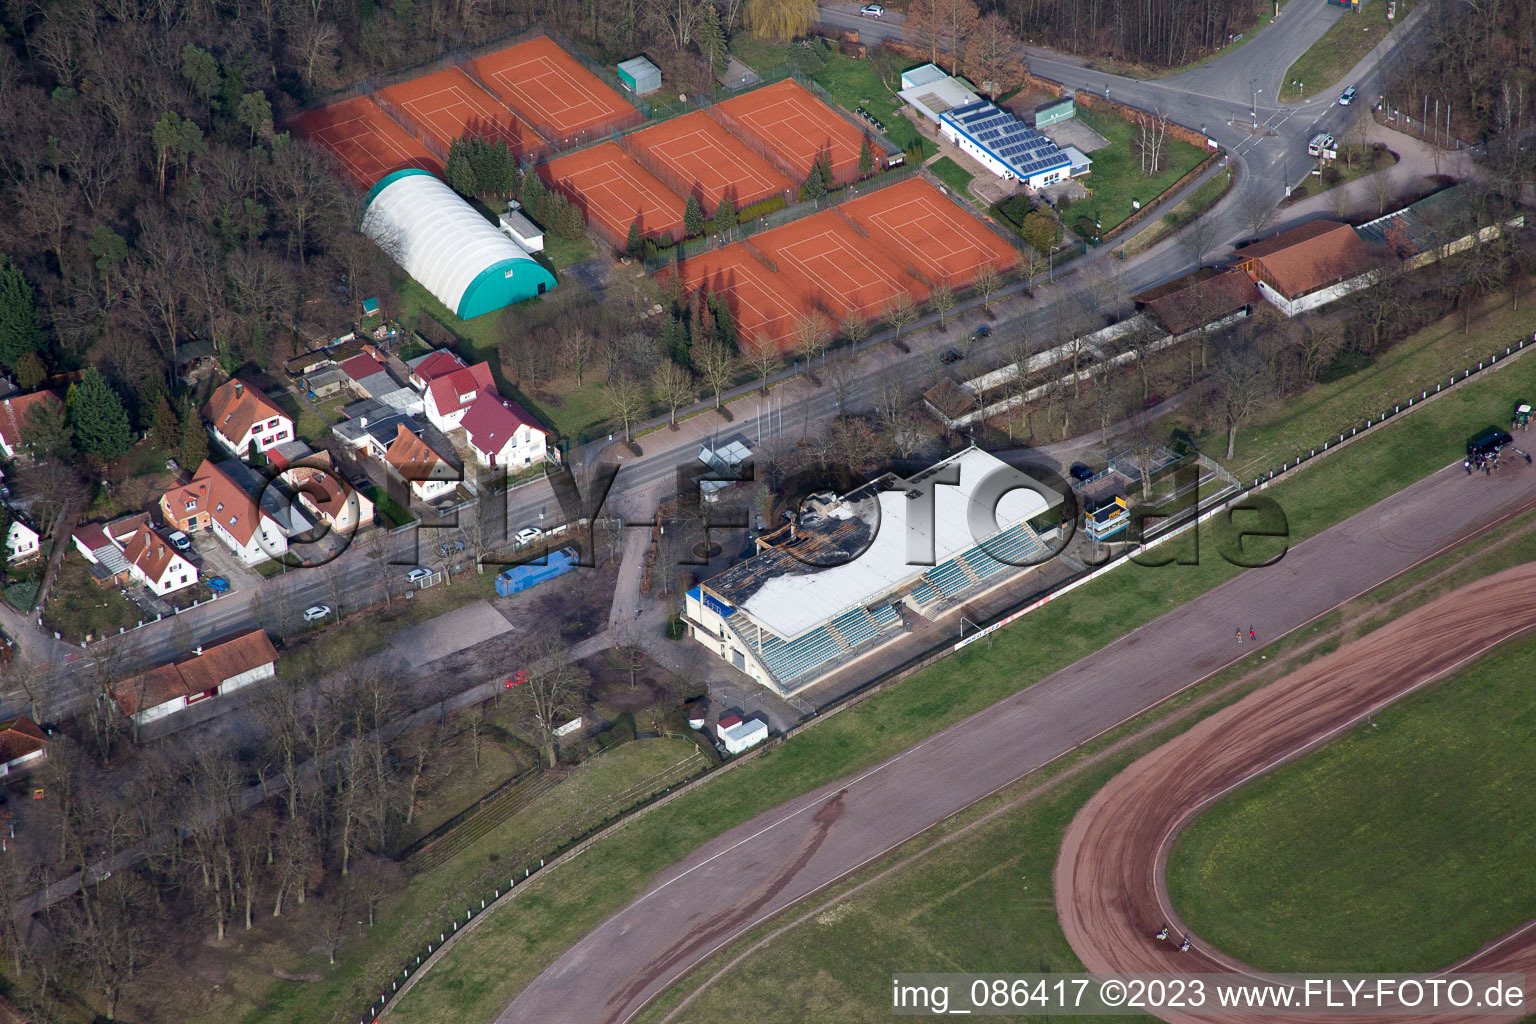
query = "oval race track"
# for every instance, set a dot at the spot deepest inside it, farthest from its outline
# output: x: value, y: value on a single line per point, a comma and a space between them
x: 1111, y: 892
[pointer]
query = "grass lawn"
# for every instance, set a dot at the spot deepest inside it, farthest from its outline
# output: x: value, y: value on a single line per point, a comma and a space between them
x: 1415, y: 827
x: 1117, y: 176
x: 306, y: 423
x: 1001, y: 913
x: 1411, y: 366
x: 430, y: 899
x: 78, y: 607
x: 477, y: 979
x: 1354, y: 162
x: 1204, y: 197
x: 564, y: 254
x: 952, y: 174
x: 580, y: 411
x: 1343, y: 46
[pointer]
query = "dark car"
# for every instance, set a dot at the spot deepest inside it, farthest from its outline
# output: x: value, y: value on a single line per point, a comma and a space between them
x: 1488, y: 442
x: 1080, y: 472
x: 950, y: 356
x: 1151, y: 400
x: 981, y: 331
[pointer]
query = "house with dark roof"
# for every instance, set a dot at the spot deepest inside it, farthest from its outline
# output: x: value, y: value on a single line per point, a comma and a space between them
x: 503, y: 433
x: 23, y: 745
x: 1308, y: 266
x: 244, y: 419
x: 429, y: 473
x: 211, y: 670
x: 1204, y: 298
x: 153, y: 562
x: 13, y: 420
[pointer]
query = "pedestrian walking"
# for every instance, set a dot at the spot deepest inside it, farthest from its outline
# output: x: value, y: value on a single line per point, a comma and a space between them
x: 1239, y: 634
x: 1250, y: 633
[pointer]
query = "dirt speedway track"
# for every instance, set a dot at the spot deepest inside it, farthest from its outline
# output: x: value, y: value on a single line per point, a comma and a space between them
x: 756, y: 870
x: 1111, y: 890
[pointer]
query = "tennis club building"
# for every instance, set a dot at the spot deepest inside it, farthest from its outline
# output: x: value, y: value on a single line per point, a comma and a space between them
x: 444, y: 243
x: 1006, y: 146
x: 849, y: 574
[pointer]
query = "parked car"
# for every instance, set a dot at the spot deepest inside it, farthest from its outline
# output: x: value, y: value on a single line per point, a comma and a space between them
x: 950, y: 356
x: 173, y: 465
x: 316, y: 612
x: 418, y: 574
x: 217, y: 584
x: 981, y: 331
x: 872, y: 11
x: 1347, y: 97
x: 1151, y: 400
x: 529, y: 534
x: 180, y: 541
x: 1080, y: 472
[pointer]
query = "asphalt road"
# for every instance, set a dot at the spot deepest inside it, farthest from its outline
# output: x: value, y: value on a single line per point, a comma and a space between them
x: 758, y: 869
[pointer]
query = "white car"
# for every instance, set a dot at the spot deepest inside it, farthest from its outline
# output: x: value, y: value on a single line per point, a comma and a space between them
x: 872, y: 11
x: 180, y: 541
x: 315, y: 613
x: 529, y: 534
x: 418, y: 574
x: 1347, y: 97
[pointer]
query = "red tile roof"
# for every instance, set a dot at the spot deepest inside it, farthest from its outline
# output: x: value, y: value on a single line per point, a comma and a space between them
x: 19, y: 737
x: 361, y: 365
x: 730, y: 721
x: 414, y: 459
x: 438, y: 364
x: 1304, y: 259
x: 174, y: 502
x: 223, y: 659
x: 1202, y: 301
x: 150, y: 552
x: 235, y: 406
x: 448, y: 391
x: 13, y: 415
x: 228, y: 503
x: 492, y: 421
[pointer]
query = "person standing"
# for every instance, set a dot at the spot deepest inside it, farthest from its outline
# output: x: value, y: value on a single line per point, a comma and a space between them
x: 1251, y: 635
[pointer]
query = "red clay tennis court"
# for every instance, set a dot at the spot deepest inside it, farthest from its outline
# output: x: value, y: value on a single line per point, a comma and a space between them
x: 550, y: 88
x: 363, y: 138
x: 848, y: 270
x: 614, y: 191
x: 766, y: 305
x: 696, y: 154
x: 450, y: 104
x: 790, y: 122
x: 916, y: 225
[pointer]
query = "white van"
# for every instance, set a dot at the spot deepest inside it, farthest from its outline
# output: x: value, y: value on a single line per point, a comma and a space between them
x: 1322, y: 144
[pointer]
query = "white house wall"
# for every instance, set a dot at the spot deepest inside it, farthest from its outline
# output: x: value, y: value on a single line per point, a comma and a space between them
x: 248, y: 677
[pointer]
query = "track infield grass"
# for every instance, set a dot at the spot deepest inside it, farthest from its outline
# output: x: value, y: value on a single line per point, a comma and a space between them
x: 1403, y: 847
x: 481, y: 974
x: 839, y: 947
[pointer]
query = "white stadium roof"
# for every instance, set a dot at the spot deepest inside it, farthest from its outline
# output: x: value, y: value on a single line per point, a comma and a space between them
x: 446, y: 245
x: 790, y: 604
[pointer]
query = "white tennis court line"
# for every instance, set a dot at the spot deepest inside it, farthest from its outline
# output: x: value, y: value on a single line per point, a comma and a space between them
x: 503, y: 120
x: 369, y: 129
x: 701, y: 143
x: 554, y: 101
x: 609, y: 170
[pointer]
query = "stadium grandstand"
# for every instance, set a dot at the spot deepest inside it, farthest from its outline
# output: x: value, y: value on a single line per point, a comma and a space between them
x: 447, y: 246
x: 843, y: 576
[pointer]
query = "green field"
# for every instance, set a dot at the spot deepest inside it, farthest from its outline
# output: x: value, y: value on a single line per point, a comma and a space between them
x: 1117, y: 177
x: 1201, y: 200
x: 952, y: 174
x: 1404, y: 847
x: 906, y: 908
x: 477, y: 978
x: 1409, y: 367
x: 1344, y: 45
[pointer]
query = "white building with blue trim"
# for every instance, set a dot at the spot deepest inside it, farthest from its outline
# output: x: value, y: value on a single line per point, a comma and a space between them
x: 1005, y: 145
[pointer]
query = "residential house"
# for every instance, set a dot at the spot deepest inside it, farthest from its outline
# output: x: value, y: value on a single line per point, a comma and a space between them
x: 237, y: 520
x: 211, y: 671
x: 1308, y: 266
x: 22, y: 542
x: 108, y: 566
x: 13, y: 419
x: 427, y: 368
x: 23, y: 745
x: 369, y: 376
x: 290, y: 454
x: 449, y: 397
x: 502, y: 433
x: 370, y: 427
x: 185, y: 506
x: 429, y: 474
x: 244, y: 419
x: 153, y: 562
x: 320, y: 489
